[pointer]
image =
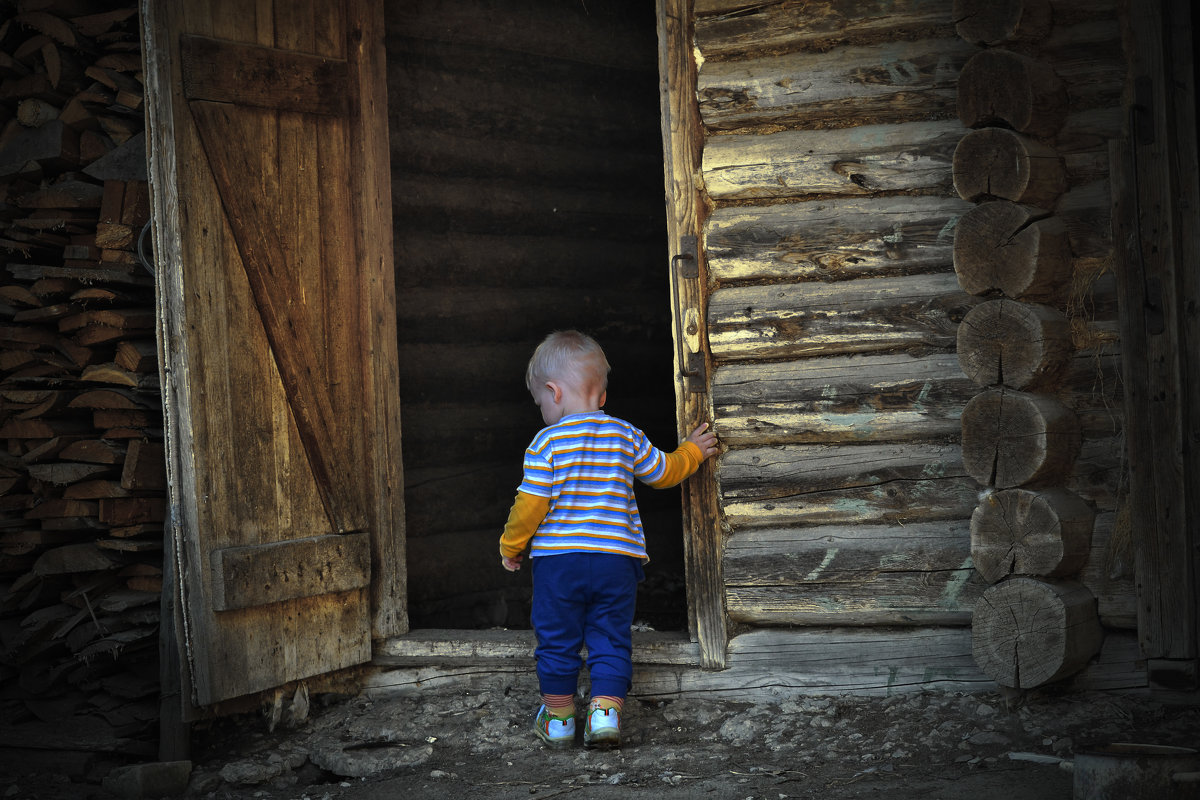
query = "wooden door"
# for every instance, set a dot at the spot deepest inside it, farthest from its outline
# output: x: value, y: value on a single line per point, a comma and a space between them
x: 269, y: 174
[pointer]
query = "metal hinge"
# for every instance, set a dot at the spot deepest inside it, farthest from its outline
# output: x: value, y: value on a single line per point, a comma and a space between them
x: 685, y: 265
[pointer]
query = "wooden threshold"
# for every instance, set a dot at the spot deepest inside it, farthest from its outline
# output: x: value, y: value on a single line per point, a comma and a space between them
x: 452, y: 647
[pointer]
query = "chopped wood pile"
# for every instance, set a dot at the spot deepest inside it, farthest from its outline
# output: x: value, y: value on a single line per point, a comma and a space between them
x: 82, y: 497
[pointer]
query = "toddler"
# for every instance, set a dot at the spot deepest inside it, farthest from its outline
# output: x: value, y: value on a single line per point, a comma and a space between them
x: 575, y: 511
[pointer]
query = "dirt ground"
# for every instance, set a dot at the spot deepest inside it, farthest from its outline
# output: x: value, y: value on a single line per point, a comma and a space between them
x: 478, y: 744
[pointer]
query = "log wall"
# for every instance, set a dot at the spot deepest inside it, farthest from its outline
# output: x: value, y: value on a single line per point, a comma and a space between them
x: 527, y: 192
x: 834, y: 306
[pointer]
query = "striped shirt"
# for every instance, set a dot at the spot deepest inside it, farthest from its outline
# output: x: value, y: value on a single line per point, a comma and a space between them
x: 585, y: 465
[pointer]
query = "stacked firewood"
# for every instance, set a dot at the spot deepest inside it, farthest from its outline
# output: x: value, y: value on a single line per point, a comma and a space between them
x: 81, y: 466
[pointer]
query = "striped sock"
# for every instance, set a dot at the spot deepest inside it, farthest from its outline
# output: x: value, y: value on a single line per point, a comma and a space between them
x: 605, y: 702
x: 559, y: 706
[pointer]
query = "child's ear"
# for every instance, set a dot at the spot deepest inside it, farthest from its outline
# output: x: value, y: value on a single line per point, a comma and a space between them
x: 603, y: 398
x: 555, y: 390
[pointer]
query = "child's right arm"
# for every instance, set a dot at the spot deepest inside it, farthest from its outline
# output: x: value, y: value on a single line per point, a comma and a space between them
x: 699, y: 445
x: 528, y: 511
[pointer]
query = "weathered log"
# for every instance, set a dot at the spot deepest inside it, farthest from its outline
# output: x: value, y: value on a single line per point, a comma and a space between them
x: 1028, y: 632
x: 1012, y: 438
x: 1020, y: 345
x: 802, y: 319
x: 1018, y: 250
x: 1000, y: 86
x: 884, y: 398
x: 862, y: 160
x: 1002, y: 164
x: 833, y: 238
x: 800, y: 485
x: 991, y: 22
x: 1018, y: 532
x: 851, y: 575
x: 899, y: 81
x: 785, y: 26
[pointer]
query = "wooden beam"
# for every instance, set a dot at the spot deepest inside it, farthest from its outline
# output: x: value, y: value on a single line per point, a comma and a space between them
x: 271, y: 573
x: 683, y: 143
x: 1154, y: 193
x: 249, y: 75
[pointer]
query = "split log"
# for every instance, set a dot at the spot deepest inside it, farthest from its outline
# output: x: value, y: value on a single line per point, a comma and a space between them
x: 992, y: 22
x: 1002, y: 164
x: 1002, y: 87
x: 1012, y: 438
x: 1018, y: 532
x: 1018, y: 250
x: 1020, y: 345
x: 71, y: 558
x: 53, y: 146
x: 1028, y: 632
x: 145, y: 466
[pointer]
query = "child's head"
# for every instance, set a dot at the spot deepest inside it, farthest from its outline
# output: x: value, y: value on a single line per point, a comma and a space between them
x: 571, y: 358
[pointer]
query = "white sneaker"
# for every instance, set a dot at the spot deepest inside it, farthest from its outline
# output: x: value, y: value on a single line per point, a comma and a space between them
x: 556, y: 733
x: 603, y: 728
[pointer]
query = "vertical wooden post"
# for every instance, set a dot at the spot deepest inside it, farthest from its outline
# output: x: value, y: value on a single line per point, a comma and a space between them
x: 372, y: 194
x: 1155, y: 218
x: 683, y: 143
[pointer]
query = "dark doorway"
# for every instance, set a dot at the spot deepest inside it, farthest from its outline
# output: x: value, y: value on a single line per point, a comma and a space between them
x: 527, y: 187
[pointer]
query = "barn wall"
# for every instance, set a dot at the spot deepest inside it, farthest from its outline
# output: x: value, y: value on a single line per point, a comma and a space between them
x: 527, y: 194
x: 834, y: 306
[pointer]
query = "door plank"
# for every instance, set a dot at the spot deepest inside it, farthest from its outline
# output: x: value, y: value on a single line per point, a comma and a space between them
x: 263, y: 77
x: 271, y: 573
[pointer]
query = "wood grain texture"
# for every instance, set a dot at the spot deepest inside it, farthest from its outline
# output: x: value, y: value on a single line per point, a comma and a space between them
x: 1018, y: 250
x: 863, y: 160
x: 840, y: 399
x: 1012, y: 438
x: 785, y: 26
x: 833, y: 238
x: 915, y: 313
x: 863, y: 575
x: 1020, y: 345
x: 999, y: 86
x: 1019, y: 532
x: 1029, y: 632
x: 786, y: 485
x: 271, y: 573
x: 851, y: 85
x: 1002, y: 164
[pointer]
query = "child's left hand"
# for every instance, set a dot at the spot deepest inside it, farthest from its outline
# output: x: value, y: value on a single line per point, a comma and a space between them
x: 705, y: 439
x: 511, y: 564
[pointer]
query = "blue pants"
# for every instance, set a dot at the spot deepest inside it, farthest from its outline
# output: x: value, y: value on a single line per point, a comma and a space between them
x: 583, y: 598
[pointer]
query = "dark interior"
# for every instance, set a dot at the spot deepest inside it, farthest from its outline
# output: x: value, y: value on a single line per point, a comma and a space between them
x: 527, y: 188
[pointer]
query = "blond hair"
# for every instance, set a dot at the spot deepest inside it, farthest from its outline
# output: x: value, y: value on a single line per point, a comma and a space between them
x: 568, y: 356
